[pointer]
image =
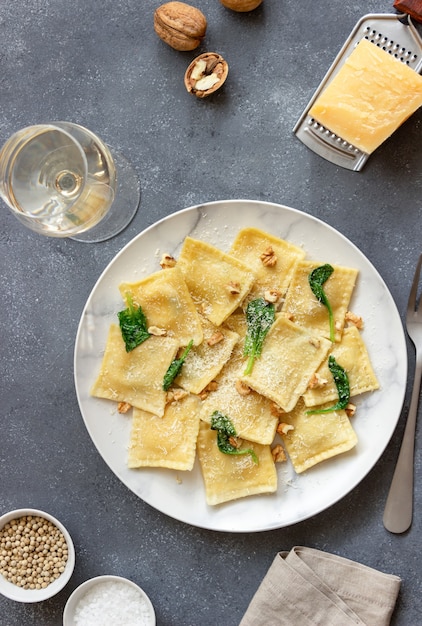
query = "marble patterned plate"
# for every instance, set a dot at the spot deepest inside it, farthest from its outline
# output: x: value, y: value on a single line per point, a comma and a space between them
x: 181, y: 494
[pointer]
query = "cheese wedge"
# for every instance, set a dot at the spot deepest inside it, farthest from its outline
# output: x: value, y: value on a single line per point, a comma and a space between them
x: 370, y: 97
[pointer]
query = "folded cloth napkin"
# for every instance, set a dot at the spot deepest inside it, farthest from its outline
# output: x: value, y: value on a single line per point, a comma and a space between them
x: 308, y: 587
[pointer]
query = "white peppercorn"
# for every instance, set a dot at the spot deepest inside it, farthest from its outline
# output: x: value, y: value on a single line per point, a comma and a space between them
x: 33, y: 552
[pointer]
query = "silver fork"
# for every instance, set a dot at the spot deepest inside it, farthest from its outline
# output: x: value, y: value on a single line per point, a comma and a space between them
x: 399, y: 506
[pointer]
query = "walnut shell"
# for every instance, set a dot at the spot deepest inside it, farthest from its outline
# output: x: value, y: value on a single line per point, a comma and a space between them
x: 206, y: 74
x: 241, y: 5
x: 180, y: 25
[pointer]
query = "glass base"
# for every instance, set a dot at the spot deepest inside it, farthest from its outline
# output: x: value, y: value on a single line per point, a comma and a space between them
x: 124, y: 207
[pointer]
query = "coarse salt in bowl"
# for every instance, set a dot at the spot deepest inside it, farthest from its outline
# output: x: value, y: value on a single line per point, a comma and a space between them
x: 24, y: 534
x: 109, y: 601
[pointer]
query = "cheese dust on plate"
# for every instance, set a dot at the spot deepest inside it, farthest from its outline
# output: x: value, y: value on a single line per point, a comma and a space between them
x: 112, y: 604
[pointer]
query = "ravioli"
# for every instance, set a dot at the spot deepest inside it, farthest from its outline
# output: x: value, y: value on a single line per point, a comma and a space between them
x: 165, y: 300
x: 250, y: 413
x: 352, y: 354
x: 273, y: 273
x: 168, y: 441
x: 316, y: 438
x: 217, y: 282
x: 204, y: 362
x: 230, y: 477
x: 303, y: 308
x: 135, y: 377
x: 290, y: 356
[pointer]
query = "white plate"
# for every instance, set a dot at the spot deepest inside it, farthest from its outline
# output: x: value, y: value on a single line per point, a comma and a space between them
x: 181, y: 494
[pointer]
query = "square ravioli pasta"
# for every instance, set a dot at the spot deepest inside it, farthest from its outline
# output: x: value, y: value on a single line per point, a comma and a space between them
x: 290, y: 356
x: 135, y: 377
x: 168, y: 441
x: 167, y: 305
x: 204, y: 362
x: 217, y: 282
x: 251, y: 413
x: 230, y: 477
x: 315, y: 438
x: 303, y: 308
x: 273, y: 261
x: 351, y: 354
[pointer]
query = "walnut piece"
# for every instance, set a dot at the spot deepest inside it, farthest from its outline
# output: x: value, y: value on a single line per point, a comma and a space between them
x: 317, y: 381
x: 284, y: 428
x: 215, y: 338
x: 242, y: 389
x: 269, y: 257
x: 354, y: 319
x: 156, y: 331
x: 278, y: 454
x: 212, y: 386
x: 350, y: 409
x: 180, y: 25
x: 124, y: 407
x: 206, y: 74
x: 175, y: 394
x: 272, y: 295
x: 167, y: 261
x: 233, y: 288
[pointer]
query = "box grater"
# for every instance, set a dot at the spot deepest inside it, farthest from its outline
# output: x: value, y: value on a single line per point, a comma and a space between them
x: 394, y: 33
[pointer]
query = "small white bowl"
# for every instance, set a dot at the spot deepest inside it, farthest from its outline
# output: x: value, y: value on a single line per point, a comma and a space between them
x: 12, y: 591
x: 88, y: 585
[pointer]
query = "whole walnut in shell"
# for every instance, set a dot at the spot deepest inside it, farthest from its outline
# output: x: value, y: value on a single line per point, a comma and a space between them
x: 180, y: 25
x: 241, y: 5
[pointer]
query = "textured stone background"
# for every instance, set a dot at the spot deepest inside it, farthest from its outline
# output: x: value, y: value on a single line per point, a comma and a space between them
x: 100, y: 64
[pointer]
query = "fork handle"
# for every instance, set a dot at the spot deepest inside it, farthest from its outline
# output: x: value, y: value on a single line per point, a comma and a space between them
x: 399, y: 506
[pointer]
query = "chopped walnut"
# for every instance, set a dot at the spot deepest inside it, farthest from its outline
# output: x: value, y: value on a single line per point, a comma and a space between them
x: 317, y: 381
x: 242, y: 389
x: 269, y: 257
x: 215, y: 338
x: 212, y: 386
x: 157, y: 332
x: 284, y: 428
x: 278, y: 454
x: 272, y: 295
x: 354, y: 319
x: 314, y: 341
x: 175, y: 394
x: 233, y: 288
x: 350, y: 409
x: 167, y: 261
x: 123, y: 407
x: 276, y: 410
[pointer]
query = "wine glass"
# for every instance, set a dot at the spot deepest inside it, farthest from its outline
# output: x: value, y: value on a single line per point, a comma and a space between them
x: 61, y: 180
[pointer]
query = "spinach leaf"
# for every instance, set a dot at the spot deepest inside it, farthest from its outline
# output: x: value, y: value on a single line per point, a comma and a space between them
x: 341, y: 380
x: 317, y: 278
x: 175, y: 367
x: 225, y: 430
x: 133, y: 325
x: 260, y: 315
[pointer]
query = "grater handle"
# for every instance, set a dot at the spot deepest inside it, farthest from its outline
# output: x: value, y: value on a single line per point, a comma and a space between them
x: 411, y: 7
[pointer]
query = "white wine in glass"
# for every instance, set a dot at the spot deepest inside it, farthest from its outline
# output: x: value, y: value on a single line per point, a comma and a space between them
x: 61, y: 180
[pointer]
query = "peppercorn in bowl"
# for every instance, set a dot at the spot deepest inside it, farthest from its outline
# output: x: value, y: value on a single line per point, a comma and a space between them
x: 37, y: 555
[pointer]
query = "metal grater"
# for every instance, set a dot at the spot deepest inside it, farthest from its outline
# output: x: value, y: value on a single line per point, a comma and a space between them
x: 394, y: 33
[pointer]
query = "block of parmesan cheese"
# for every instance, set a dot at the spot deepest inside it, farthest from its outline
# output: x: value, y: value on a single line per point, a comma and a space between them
x: 370, y: 97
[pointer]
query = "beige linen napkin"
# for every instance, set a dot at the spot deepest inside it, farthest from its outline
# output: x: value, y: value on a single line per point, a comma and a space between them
x: 307, y: 587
